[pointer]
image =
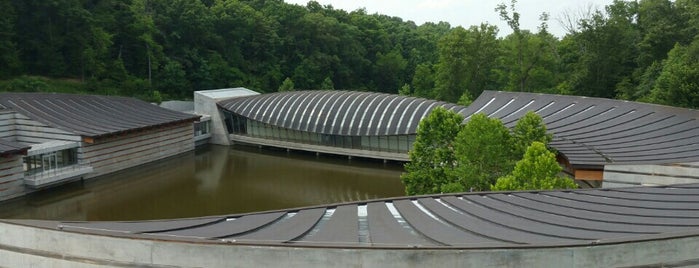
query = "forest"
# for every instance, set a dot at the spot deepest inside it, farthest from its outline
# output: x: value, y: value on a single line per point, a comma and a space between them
x: 645, y: 50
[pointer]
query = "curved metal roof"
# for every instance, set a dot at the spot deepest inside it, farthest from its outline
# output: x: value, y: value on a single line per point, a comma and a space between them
x: 337, y: 112
x: 91, y: 115
x: 588, y: 131
x: 461, y: 221
x: 595, y: 131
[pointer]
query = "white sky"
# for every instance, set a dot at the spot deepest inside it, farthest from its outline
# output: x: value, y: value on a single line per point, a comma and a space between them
x: 468, y: 12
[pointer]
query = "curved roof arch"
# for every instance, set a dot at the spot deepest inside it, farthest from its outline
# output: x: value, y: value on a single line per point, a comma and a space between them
x: 345, y: 113
x: 524, y: 219
x: 596, y: 131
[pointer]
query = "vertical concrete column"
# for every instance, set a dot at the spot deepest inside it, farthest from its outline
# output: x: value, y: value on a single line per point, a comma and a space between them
x: 205, y: 103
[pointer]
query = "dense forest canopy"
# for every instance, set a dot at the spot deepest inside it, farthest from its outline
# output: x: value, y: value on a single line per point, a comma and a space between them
x: 644, y: 50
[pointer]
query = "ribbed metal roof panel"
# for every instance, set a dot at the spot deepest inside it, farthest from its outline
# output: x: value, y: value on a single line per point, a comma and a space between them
x: 337, y: 112
x: 91, y: 115
x: 455, y: 221
x: 595, y: 131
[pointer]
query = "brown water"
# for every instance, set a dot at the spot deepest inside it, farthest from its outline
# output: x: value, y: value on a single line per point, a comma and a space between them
x: 213, y: 180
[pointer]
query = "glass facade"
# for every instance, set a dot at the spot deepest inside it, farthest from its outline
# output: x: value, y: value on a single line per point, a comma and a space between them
x: 49, y: 161
x: 240, y: 125
x: 202, y: 128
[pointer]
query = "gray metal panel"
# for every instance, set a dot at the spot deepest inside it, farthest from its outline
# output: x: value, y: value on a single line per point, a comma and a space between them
x: 463, y: 221
x: 227, y: 227
x: 90, y: 115
x: 342, y: 227
x: 139, y: 226
x: 336, y: 112
x: 438, y: 231
x: 287, y: 230
x: 384, y: 229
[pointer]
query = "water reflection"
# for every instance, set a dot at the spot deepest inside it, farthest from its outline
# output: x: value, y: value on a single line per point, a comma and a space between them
x: 211, y: 181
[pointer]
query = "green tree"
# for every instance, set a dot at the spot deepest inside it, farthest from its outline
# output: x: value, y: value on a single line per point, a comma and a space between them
x: 9, y: 54
x: 538, y: 170
x: 432, y: 157
x: 465, y: 99
x: 404, y: 90
x: 327, y: 84
x: 484, y: 152
x: 390, y: 68
x: 466, y: 60
x: 287, y: 85
x: 603, y: 53
x: 423, y: 81
x: 529, y: 61
x: 530, y: 128
x: 678, y: 83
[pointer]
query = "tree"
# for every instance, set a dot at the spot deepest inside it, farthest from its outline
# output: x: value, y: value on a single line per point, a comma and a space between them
x: 287, y: 85
x: 530, y: 128
x: 404, y: 90
x: 484, y: 152
x: 678, y: 83
x: 529, y: 60
x: 466, y: 60
x: 538, y: 170
x: 9, y: 54
x: 390, y: 69
x: 423, y: 81
x: 327, y: 84
x: 604, y: 52
x: 432, y: 157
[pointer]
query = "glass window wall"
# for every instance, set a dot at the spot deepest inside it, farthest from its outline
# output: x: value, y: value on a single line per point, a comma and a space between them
x: 243, y: 126
x: 49, y: 161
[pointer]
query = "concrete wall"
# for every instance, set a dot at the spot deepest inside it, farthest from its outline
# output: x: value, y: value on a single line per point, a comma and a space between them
x: 22, y: 246
x: 11, y: 177
x: 136, y: 148
x: 205, y: 103
x: 635, y: 175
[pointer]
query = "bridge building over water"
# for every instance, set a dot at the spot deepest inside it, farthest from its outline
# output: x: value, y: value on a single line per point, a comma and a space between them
x: 622, y: 142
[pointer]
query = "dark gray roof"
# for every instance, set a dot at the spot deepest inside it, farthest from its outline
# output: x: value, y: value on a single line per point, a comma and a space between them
x: 469, y: 220
x: 588, y: 131
x: 337, y: 112
x: 595, y: 131
x: 10, y: 148
x: 91, y: 115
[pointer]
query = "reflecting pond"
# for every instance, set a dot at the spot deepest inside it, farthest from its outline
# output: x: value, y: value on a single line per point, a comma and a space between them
x: 214, y: 180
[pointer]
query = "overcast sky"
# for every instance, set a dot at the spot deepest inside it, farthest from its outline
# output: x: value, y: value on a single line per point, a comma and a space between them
x: 467, y: 12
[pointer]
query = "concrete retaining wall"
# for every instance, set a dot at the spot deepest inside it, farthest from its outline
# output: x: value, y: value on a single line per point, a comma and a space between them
x: 635, y: 175
x: 22, y: 246
x: 133, y: 149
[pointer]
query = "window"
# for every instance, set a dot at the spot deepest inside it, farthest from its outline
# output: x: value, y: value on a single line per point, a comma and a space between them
x: 49, y: 161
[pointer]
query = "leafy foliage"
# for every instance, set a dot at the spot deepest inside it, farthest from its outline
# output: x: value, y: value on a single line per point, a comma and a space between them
x: 538, y: 170
x: 483, y: 151
x: 133, y: 47
x: 432, y: 157
x: 530, y: 128
x: 678, y: 83
x: 287, y: 85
